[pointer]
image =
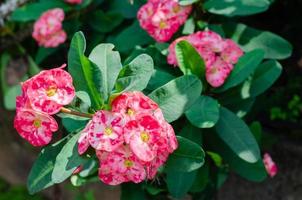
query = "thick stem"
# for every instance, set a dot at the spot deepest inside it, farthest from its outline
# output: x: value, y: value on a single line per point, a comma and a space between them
x: 72, y: 112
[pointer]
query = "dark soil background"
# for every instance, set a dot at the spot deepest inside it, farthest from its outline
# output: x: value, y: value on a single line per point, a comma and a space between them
x: 283, y: 18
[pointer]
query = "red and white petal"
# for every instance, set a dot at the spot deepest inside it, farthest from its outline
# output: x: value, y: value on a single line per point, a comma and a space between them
x: 35, y: 127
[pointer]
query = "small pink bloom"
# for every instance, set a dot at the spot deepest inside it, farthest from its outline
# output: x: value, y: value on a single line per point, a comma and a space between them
x: 161, y: 19
x: 35, y: 127
x: 218, y: 54
x: 142, y: 135
x: 73, y: 1
x: 231, y: 52
x: 270, y: 165
x: 83, y: 142
x: 132, y: 104
x: 49, y: 90
x: 106, y: 131
x: 121, y: 166
x: 48, y: 30
x: 218, y: 72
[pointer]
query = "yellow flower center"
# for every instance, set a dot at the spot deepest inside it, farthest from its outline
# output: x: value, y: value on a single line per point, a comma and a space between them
x: 214, y: 70
x: 145, y: 136
x: 176, y: 8
x: 130, y: 112
x: 128, y: 163
x: 108, y: 131
x: 162, y: 24
x: 37, y: 123
x: 51, y: 91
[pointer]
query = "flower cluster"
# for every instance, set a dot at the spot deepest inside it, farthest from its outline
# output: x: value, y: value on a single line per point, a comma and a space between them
x: 162, y: 18
x: 42, y: 96
x: 74, y: 1
x: 48, y: 31
x: 270, y: 165
x: 132, y: 140
x: 219, y: 54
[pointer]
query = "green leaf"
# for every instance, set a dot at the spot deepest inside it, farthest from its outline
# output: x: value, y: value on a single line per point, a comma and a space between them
x: 192, y: 133
x: 189, y: 26
x: 245, y: 66
x: 135, y: 75
x: 159, y: 78
x: 179, y: 183
x: 131, y: 191
x: 40, y: 174
x: 189, y: 60
x: 175, y: 97
x: 71, y: 124
x: 237, y: 135
x: 251, y: 171
x: 109, y: 64
x: 264, y: 77
x: 32, y: 11
x: 201, y: 179
x: 67, y: 160
x: 204, y: 113
x: 86, y: 76
x: 187, y: 2
x: 105, y: 22
x: 10, y: 97
x: 274, y: 46
x: 130, y: 37
x: 188, y: 157
x: 236, y: 7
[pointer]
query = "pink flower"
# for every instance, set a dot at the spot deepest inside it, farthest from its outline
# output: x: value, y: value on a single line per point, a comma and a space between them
x: 74, y: 1
x: 35, y: 127
x: 132, y: 104
x: 106, y: 131
x: 120, y: 166
x: 49, y: 90
x: 270, y: 165
x: 83, y: 141
x: 48, y: 30
x: 217, y: 73
x: 161, y: 19
x: 142, y: 135
x: 219, y: 55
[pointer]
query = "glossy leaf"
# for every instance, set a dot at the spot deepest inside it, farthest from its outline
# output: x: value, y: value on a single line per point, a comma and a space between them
x: 187, y: 2
x: 109, y: 64
x: 204, y: 113
x: 40, y: 176
x: 135, y: 75
x: 33, y: 11
x: 67, y: 160
x: 86, y: 75
x: 179, y: 183
x: 236, y: 7
x: 237, y: 135
x: 188, y: 157
x: 243, y: 69
x: 189, y: 60
x: 175, y: 97
x: 274, y: 46
x: 264, y: 77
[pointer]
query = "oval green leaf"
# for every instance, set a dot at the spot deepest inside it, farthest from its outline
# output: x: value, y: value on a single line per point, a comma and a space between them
x: 237, y: 135
x: 175, y: 97
x: 245, y: 66
x: 236, y: 7
x: 188, y: 157
x: 204, y: 113
x: 136, y: 74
